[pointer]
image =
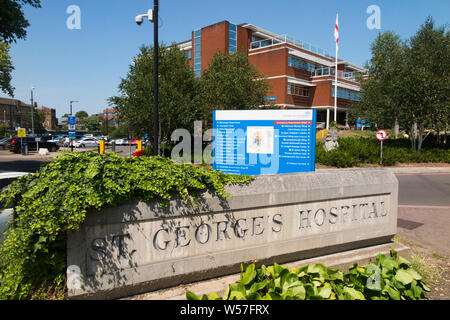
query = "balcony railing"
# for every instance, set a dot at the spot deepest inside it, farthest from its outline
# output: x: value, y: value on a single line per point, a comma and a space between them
x: 286, y: 39
x: 331, y: 72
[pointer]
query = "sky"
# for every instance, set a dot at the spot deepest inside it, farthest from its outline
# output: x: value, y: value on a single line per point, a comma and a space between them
x: 87, y: 63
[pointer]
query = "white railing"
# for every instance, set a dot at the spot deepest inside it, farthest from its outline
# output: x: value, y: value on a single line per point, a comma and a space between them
x: 286, y: 39
x: 331, y: 72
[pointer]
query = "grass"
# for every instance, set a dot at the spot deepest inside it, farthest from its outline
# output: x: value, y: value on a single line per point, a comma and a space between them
x: 429, y: 271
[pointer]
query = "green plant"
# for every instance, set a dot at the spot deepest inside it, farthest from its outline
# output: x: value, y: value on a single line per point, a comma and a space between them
x: 361, y: 151
x: 390, y: 278
x: 58, y: 197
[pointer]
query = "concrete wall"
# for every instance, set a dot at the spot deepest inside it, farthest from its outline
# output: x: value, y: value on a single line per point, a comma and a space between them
x: 142, y: 246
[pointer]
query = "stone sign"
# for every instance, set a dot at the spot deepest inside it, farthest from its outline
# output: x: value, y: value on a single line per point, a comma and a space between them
x: 142, y: 246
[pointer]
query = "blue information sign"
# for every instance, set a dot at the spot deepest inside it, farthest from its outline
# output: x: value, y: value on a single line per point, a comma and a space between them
x: 71, y: 120
x: 259, y: 142
x: 72, y: 134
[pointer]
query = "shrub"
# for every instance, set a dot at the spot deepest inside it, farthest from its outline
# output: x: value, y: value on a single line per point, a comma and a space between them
x: 385, y: 279
x: 359, y: 151
x: 58, y: 197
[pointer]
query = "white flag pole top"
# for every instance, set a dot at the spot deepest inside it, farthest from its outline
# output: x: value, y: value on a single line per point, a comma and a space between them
x: 336, y: 37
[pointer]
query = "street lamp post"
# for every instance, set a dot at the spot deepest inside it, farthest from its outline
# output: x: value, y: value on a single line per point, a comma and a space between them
x: 71, y: 140
x: 32, y: 111
x: 153, y: 17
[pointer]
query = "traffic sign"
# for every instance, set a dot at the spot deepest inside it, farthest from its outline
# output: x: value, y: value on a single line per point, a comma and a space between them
x: 71, y: 127
x: 71, y: 120
x: 21, y: 133
x: 381, y: 135
x: 72, y: 134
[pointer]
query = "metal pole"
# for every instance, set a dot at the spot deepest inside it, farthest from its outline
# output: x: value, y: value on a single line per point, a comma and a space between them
x: 32, y: 113
x: 156, y: 73
x: 381, y: 152
x: 71, y: 140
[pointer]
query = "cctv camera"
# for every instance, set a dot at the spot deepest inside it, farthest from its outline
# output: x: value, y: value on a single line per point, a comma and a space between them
x: 139, y: 19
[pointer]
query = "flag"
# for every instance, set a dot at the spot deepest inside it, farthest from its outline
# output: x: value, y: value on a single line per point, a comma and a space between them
x: 336, y: 30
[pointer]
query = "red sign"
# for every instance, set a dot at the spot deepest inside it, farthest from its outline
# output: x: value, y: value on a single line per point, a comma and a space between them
x: 292, y: 122
x: 381, y: 135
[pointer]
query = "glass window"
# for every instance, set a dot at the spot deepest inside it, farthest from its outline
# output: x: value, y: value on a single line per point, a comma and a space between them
x: 197, y: 33
x: 232, y: 35
x: 197, y: 73
x: 233, y: 27
x: 197, y: 54
x: 232, y: 42
x: 197, y: 60
x: 232, y: 50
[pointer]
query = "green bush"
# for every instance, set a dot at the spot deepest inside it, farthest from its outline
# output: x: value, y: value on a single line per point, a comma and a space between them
x: 385, y: 279
x: 359, y: 151
x: 57, y: 198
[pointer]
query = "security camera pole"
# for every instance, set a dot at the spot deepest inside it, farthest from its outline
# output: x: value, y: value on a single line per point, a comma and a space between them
x: 153, y: 17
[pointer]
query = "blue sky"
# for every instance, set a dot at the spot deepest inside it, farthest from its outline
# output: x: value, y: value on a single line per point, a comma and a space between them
x: 87, y: 64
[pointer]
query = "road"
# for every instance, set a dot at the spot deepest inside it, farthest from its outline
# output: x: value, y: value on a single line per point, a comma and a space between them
x: 424, y: 210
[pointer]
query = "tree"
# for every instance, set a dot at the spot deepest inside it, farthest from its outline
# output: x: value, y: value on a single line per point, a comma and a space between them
x: 12, y: 27
x: 81, y: 114
x: 408, y: 82
x: 91, y: 123
x: 232, y: 83
x: 380, y: 101
x: 427, y: 79
x: 13, y: 23
x: 178, y: 93
x: 6, y: 69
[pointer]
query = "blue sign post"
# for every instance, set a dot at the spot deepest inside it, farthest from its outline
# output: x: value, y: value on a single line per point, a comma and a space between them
x: 71, y: 120
x: 257, y: 142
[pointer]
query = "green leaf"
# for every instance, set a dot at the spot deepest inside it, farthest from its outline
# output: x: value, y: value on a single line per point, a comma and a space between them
x: 403, y: 276
x: 254, y: 296
x: 393, y: 293
x: 414, y: 274
x: 296, y: 292
x: 335, y: 274
x: 352, y: 294
x: 214, y: 296
x: 192, y: 296
x: 325, y: 291
x: 249, y: 275
x: 257, y: 286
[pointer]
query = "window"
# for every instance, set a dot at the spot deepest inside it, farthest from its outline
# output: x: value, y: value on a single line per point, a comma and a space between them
x: 298, y: 90
x: 300, y: 64
x: 347, y: 94
x: 232, y: 38
x: 188, y: 54
x: 197, y: 52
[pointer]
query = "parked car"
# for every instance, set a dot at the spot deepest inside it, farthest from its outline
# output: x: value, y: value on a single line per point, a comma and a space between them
x: 121, y: 141
x: 16, y: 144
x: 85, y: 143
x: 4, y: 143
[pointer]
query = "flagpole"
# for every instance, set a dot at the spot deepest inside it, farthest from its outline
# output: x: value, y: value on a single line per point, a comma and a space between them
x: 336, y: 77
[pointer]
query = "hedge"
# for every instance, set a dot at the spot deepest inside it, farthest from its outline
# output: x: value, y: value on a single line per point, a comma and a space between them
x: 360, y: 151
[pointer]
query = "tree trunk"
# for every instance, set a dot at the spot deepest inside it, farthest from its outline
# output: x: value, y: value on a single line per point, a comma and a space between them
x: 421, y: 130
x: 413, y: 137
x: 396, y: 129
